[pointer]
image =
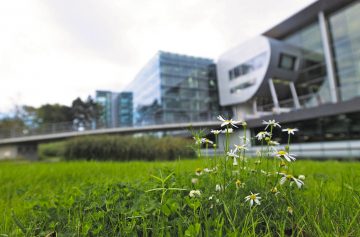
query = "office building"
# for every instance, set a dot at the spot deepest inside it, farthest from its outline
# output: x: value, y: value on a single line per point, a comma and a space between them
x: 174, y: 88
x: 116, y: 108
x: 124, y: 109
x: 304, y: 72
x: 105, y: 99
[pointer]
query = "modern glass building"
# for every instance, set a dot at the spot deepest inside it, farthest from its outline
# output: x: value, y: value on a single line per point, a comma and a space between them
x: 117, y: 108
x: 303, y: 72
x: 105, y: 99
x: 330, y: 31
x: 175, y: 88
x: 125, y: 109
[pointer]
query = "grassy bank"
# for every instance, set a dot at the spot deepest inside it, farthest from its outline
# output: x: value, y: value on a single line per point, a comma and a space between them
x: 105, y: 198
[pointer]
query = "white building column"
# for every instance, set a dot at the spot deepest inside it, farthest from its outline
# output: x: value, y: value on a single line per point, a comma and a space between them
x: 273, y: 94
x: 294, y: 95
x: 330, y: 68
x: 254, y: 106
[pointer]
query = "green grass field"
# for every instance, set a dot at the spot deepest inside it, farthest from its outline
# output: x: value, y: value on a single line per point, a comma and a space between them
x: 108, y: 199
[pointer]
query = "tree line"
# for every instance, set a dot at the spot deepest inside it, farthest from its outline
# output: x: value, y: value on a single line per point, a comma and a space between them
x: 81, y: 114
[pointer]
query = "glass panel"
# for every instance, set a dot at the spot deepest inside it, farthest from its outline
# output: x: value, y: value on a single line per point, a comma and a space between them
x: 247, y: 67
x: 312, y: 86
x: 344, y: 29
x: 173, y: 82
x: 287, y: 62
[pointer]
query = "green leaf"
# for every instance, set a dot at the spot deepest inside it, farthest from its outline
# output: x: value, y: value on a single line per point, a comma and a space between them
x: 166, y: 210
x: 193, y: 230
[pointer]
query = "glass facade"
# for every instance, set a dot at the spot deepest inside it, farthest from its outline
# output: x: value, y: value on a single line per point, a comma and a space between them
x: 104, y: 98
x: 175, y: 88
x: 146, y: 93
x: 343, y: 25
x: 345, y: 34
x: 312, y: 86
x: 125, y: 109
x: 247, y: 67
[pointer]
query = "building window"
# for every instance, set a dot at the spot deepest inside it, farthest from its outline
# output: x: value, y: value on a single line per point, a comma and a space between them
x: 287, y: 62
x: 237, y: 89
x: 248, y: 66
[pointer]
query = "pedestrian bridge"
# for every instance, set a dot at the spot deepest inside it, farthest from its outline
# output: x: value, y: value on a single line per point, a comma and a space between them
x: 24, y: 143
x: 16, y: 142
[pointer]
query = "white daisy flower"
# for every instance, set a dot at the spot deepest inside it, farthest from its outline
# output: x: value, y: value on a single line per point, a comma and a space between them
x: 288, y: 177
x: 287, y: 156
x: 194, y: 180
x: 195, y: 193
x: 227, y: 130
x: 227, y: 121
x: 216, y: 132
x: 232, y: 153
x: 253, y: 198
x: 199, y: 140
x: 207, y: 170
x: 235, y: 163
x: 240, y: 147
x: 198, y: 171
x: 273, y: 143
x: 261, y: 135
x: 290, y: 130
x: 244, y: 139
x: 271, y: 123
x: 301, y: 177
x: 218, y: 188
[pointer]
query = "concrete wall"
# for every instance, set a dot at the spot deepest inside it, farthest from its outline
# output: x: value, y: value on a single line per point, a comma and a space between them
x: 8, y: 152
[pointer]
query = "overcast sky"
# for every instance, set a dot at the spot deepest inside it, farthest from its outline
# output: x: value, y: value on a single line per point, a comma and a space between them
x: 52, y: 51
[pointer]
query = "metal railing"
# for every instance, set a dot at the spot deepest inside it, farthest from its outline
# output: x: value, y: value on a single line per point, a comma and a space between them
x: 64, y: 127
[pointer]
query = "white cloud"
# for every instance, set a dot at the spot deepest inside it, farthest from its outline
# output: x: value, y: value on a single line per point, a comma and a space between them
x: 53, y: 51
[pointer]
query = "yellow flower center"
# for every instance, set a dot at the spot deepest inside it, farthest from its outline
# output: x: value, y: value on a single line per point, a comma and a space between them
x: 198, y: 170
x: 289, y: 176
x: 282, y: 153
x: 252, y: 196
x: 238, y: 182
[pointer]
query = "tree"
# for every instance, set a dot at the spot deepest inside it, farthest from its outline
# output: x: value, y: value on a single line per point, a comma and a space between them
x: 86, y: 113
x: 19, y: 122
x: 54, y: 114
x: 11, y: 126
